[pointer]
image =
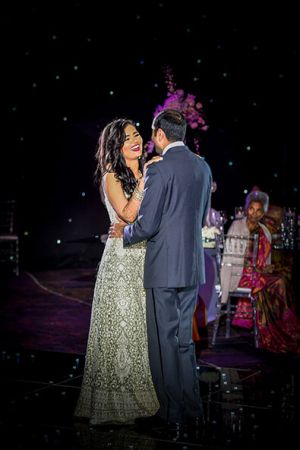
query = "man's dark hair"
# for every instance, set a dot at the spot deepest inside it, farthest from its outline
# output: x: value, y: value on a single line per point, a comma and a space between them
x: 172, y: 122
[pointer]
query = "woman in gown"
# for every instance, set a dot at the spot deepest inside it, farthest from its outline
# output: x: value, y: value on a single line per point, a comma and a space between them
x: 277, y: 321
x: 117, y: 385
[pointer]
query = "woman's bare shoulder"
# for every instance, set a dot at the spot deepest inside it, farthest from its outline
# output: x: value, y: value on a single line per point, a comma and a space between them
x: 110, y: 178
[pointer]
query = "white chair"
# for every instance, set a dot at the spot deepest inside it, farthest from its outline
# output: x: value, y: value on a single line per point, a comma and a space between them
x: 234, y: 253
x: 9, y: 239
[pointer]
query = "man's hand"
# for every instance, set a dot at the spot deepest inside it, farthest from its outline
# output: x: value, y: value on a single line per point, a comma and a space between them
x: 116, y: 230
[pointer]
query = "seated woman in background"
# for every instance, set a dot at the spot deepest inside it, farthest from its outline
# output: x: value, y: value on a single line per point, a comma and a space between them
x: 283, y: 261
x: 277, y: 322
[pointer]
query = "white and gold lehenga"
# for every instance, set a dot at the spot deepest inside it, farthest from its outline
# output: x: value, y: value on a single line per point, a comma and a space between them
x: 117, y: 385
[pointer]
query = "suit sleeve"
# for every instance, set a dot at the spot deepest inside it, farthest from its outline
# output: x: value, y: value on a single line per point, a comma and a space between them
x: 208, y: 197
x: 150, y: 212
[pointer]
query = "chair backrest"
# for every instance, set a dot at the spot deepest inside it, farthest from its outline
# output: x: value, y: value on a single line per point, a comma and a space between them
x: 242, y: 250
x: 237, y: 252
x: 234, y: 253
x: 7, y: 216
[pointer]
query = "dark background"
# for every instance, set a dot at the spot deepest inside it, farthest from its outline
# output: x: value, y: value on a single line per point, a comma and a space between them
x: 70, y: 67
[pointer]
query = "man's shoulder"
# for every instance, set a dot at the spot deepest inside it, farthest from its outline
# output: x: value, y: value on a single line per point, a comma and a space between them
x: 200, y: 161
x: 155, y: 167
x: 196, y: 157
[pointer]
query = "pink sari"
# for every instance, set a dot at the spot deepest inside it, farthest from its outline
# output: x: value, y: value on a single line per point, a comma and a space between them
x: 277, y: 322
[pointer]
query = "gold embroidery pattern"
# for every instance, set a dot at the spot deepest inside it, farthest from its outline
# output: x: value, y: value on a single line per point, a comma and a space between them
x: 117, y: 384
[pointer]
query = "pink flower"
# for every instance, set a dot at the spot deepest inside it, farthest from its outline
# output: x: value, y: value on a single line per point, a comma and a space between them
x: 186, y: 103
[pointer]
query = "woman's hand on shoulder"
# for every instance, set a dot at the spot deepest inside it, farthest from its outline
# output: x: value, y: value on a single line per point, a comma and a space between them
x: 155, y: 159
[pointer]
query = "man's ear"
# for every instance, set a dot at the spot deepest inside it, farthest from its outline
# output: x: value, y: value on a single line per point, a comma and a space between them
x: 160, y: 134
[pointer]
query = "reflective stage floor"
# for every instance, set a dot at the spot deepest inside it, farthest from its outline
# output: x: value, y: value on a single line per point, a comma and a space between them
x: 251, y: 397
x: 253, y: 404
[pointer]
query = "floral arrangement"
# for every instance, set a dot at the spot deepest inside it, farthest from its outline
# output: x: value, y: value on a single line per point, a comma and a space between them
x: 209, y: 236
x: 184, y: 102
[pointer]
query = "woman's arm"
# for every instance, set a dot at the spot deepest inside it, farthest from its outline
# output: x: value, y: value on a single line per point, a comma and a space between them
x: 126, y: 209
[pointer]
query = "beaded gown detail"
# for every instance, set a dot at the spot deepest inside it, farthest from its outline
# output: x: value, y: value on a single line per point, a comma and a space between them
x: 117, y: 385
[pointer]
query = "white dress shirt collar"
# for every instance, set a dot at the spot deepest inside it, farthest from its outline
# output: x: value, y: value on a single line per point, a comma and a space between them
x: 172, y: 144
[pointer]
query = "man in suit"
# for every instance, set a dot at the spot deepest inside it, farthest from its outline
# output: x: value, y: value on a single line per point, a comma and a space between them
x: 173, y: 210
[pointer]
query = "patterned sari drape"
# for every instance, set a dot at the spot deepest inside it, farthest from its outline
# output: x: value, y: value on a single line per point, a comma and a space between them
x: 278, y: 324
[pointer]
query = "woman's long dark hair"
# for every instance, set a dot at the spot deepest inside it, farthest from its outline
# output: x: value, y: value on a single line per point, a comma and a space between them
x: 110, y: 158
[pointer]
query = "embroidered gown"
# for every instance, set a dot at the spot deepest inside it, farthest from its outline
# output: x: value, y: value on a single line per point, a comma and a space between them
x: 117, y: 385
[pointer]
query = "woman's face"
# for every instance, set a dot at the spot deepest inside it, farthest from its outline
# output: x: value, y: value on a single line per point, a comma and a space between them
x: 133, y: 145
x: 255, y: 212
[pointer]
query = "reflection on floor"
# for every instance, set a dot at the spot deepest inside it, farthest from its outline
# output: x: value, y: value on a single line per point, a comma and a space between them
x: 247, y: 406
x: 251, y: 397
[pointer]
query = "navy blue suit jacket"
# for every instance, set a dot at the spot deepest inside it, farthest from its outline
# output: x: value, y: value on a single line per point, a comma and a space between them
x: 171, y: 216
